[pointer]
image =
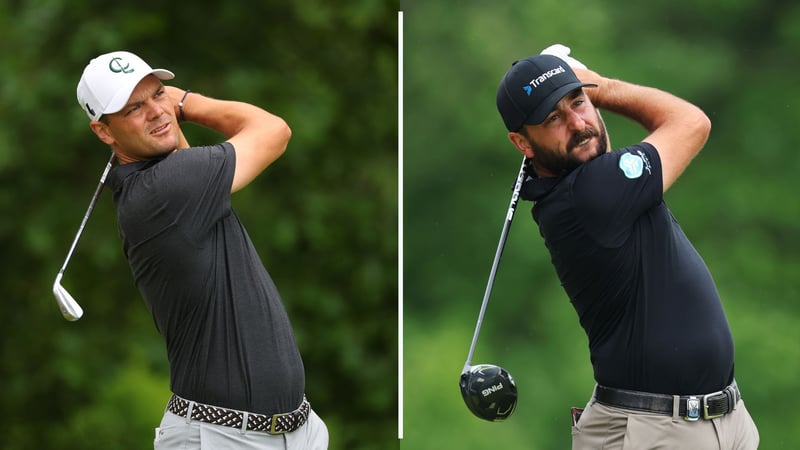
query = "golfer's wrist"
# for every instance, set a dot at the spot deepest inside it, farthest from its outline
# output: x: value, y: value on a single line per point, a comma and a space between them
x: 182, y: 106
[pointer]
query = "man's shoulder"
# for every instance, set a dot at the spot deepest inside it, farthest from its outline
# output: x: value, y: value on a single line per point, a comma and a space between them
x: 191, y: 161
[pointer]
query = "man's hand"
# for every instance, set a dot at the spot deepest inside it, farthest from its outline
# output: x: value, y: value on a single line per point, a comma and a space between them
x: 175, y: 95
x: 562, y: 51
x: 590, y: 76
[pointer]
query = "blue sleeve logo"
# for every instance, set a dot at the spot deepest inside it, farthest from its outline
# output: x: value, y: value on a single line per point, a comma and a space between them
x: 631, y: 165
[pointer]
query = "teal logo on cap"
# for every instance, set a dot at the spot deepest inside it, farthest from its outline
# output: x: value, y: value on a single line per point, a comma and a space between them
x: 116, y: 66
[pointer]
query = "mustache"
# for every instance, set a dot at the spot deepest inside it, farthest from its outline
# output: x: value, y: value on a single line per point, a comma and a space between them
x: 577, y: 138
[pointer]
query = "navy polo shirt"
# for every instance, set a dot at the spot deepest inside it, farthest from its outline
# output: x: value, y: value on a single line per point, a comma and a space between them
x: 643, y: 295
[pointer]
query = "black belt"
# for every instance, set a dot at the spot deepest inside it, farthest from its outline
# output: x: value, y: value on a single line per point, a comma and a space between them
x: 274, y: 424
x: 690, y: 407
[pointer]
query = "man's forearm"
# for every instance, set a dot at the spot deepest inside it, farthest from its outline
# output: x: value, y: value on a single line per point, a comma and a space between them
x: 224, y: 116
x: 647, y: 106
x: 678, y: 129
x: 257, y: 136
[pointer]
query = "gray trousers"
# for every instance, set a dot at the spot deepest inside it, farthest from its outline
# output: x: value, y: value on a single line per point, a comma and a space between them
x: 180, y: 433
x: 607, y: 428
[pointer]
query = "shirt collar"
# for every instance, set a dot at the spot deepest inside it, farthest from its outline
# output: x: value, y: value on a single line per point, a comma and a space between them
x: 119, y: 173
x: 535, y: 188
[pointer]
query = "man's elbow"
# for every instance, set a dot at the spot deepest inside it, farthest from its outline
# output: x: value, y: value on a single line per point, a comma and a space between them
x: 702, y: 127
x: 287, y: 132
x: 279, y: 134
x: 705, y: 124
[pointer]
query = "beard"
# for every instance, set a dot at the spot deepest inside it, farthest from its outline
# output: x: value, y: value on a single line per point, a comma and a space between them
x: 555, y: 161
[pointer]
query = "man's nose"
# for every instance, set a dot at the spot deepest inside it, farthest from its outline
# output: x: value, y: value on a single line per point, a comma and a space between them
x: 575, y: 121
x: 152, y: 109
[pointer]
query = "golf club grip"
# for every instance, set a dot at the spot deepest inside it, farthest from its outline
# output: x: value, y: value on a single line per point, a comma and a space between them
x: 498, y: 254
x: 89, y: 210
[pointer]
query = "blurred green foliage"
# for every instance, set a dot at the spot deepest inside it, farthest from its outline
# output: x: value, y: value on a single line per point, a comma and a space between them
x: 737, y: 59
x: 324, y: 217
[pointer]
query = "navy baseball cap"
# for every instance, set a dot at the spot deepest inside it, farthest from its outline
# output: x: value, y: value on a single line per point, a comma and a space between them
x: 531, y: 89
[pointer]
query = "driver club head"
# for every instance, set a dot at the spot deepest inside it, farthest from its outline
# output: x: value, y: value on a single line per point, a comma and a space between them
x: 489, y: 392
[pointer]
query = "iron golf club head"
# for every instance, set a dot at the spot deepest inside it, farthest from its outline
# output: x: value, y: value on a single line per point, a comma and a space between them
x: 70, y: 309
x: 489, y: 392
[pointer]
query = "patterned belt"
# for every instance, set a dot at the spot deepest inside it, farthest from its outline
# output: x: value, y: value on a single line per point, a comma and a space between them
x: 274, y: 424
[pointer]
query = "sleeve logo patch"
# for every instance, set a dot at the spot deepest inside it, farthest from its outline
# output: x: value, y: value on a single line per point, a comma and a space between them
x: 631, y: 165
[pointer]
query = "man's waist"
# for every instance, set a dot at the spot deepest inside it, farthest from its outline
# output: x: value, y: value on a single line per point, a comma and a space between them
x: 277, y: 390
x: 276, y: 423
x: 667, y: 367
x: 270, y: 385
x: 691, y: 407
x: 280, y: 397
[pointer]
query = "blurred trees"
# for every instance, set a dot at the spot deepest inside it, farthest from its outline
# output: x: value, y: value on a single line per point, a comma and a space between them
x: 736, y: 59
x: 324, y: 217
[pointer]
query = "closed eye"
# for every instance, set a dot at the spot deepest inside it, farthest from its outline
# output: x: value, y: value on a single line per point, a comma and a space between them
x: 132, y: 109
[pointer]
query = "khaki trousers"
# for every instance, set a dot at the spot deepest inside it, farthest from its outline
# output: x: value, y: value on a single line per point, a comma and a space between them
x: 608, y: 428
x: 180, y: 433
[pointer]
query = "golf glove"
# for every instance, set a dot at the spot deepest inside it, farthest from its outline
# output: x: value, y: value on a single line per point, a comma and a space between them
x: 562, y: 51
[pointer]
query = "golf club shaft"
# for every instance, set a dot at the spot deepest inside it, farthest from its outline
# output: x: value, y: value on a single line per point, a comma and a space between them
x: 89, y: 210
x: 498, y: 254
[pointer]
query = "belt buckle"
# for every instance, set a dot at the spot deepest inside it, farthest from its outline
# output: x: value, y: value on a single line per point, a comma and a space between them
x: 274, y: 421
x: 693, y: 408
x: 705, y: 405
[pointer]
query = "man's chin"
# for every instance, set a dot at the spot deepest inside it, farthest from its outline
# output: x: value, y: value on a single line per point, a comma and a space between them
x: 166, y: 145
x: 586, y: 152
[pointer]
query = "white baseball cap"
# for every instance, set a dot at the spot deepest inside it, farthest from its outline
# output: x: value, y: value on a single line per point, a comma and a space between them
x: 108, y: 81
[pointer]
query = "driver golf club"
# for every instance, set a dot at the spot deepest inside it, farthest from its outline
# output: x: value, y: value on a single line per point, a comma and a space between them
x: 489, y: 390
x: 71, y: 310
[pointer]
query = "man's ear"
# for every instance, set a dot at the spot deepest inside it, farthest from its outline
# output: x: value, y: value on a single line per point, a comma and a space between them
x: 521, y: 143
x: 102, y: 131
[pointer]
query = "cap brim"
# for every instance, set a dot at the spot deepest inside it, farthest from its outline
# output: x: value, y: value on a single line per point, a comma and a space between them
x: 163, y: 74
x: 549, y: 103
x: 121, y: 97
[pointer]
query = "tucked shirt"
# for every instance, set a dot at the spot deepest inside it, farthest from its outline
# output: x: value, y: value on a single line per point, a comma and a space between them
x: 643, y: 295
x: 228, y: 337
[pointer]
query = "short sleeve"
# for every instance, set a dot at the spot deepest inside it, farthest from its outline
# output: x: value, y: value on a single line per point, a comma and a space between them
x: 612, y: 191
x: 196, y: 184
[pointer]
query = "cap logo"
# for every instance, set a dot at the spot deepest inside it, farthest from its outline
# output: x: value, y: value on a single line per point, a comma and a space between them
x: 542, y: 78
x: 116, y: 66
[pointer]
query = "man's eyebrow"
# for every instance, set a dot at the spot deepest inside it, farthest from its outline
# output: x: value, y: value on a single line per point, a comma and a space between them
x: 576, y: 93
x: 137, y: 103
x: 132, y: 104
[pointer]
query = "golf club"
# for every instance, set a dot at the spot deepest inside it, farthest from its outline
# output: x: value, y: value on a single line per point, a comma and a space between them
x: 489, y: 390
x: 71, y: 310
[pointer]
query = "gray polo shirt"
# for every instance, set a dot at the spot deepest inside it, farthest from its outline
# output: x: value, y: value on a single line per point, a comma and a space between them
x: 228, y: 337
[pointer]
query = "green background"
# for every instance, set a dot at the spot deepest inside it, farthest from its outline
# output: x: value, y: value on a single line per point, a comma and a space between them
x: 737, y: 59
x: 323, y: 217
